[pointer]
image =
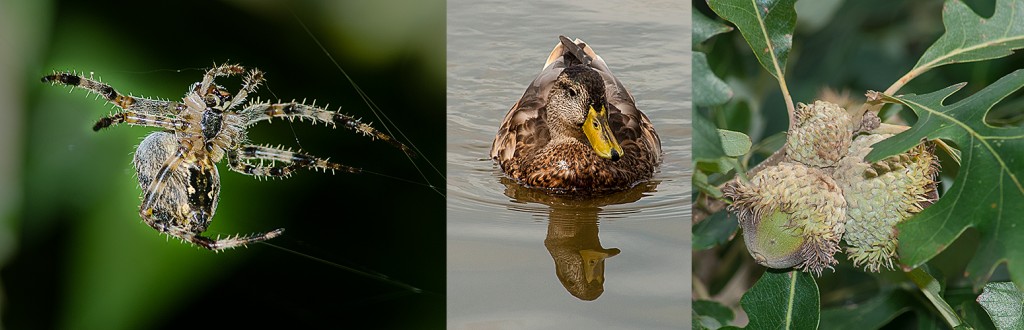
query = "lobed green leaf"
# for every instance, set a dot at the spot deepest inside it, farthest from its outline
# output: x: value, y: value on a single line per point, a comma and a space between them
x: 971, y: 38
x: 988, y: 190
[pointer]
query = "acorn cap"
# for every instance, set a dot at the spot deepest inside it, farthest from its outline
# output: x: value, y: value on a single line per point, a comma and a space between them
x: 792, y: 216
x: 821, y: 135
x: 881, y: 195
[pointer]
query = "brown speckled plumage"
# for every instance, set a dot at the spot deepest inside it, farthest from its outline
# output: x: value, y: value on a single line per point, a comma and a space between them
x: 525, y: 150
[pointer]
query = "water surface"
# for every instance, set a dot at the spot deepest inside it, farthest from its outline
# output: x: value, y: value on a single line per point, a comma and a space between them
x: 521, y: 258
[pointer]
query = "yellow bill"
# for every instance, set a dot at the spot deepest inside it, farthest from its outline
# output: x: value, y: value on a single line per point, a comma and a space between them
x: 593, y: 263
x: 599, y: 133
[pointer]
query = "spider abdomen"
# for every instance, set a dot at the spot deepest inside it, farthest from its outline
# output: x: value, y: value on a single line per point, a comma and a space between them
x: 189, y: 192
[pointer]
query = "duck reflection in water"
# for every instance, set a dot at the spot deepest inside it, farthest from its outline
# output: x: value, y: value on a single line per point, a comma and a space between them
x: 578, y: 255
x: 572, y: 238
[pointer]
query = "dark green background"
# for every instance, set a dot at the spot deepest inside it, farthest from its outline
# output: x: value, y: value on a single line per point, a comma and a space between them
x: 78, y: 256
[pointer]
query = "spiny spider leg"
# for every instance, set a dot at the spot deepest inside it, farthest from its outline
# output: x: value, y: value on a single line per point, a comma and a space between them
x: 249, y: 85
x: 292, y: 110
x: 237, y: 161
x: 232, y: 241
x: 219, y: 71
x: 218, y: 244
x: 140, y: 119
x: 130, y: 103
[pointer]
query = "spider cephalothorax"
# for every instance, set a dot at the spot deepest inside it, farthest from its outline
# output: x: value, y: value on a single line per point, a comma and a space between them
x: 176, y: 167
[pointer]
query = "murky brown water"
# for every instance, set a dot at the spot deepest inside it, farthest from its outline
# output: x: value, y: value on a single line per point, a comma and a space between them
x: 519, y: 258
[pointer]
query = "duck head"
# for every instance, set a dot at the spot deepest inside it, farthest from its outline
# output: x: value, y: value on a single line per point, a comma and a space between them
x: 577, y: 108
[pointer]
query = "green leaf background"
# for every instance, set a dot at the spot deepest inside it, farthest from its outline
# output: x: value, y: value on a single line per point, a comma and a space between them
x: 871, y: 314
x: 710, y: 315
x: 708, y: 89
x: 868, y: 45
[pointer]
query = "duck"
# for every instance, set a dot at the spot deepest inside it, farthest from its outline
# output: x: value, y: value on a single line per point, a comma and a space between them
x: 576, y: 129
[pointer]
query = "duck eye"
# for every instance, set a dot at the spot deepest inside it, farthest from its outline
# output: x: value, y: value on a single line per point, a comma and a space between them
x: 572, y: 92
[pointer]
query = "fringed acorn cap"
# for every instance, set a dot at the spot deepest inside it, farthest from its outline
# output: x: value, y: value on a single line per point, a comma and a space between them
x: 821, y: 135
x: 881, y: 195
x: 792, y: 216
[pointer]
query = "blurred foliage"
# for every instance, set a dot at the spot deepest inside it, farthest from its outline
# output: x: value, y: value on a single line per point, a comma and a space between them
x: 841, y: 49
x: 83, y: 259
x: 710, y: 315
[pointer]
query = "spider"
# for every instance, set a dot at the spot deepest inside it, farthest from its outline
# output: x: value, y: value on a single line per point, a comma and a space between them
x: 176, y: 167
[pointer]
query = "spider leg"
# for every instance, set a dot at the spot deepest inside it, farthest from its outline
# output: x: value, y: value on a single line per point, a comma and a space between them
x: 140, y: 119
x: 292, y: 110
x: 237, y: 162
x: 249, y: 85
x: 218, y: 244
x: 125, y: 102
x: 219, y: 71
x: 231, y: 242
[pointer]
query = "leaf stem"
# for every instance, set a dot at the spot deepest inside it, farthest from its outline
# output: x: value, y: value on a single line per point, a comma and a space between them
x: 895, y: 87
x: 930, y: 288
x: 899, y: 83
x: 779, y: 70
x: 790, y: 108
x: 792, y: 295
x: 886, y: 128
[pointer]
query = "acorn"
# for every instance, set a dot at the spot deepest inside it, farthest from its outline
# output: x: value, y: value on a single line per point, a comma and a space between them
x: 821, y: 135
x: 880, y: 195
x: 792, y: 216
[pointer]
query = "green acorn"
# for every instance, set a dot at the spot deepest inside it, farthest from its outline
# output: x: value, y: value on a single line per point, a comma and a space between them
x: 821, y: 135
x: 881, y: 195
x: 792, y: 216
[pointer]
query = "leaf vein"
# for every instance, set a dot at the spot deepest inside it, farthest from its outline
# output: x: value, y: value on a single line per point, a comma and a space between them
x: 962, y: 50
x: 767, y: 38
x: 792, y: 296
x: 999, y: 159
